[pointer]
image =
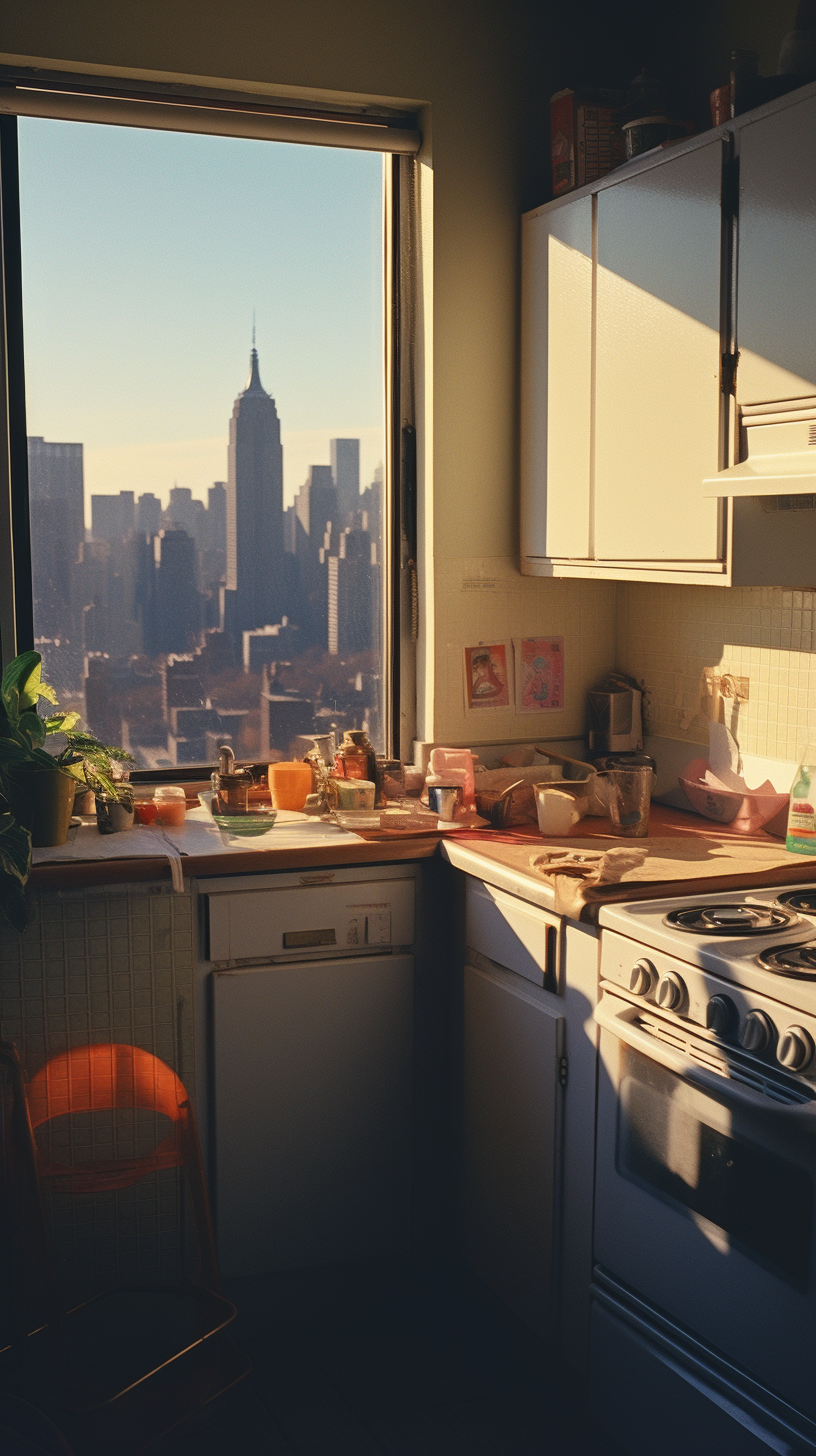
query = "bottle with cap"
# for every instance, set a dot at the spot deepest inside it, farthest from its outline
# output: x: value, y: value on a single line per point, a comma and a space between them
x: 801, y: 837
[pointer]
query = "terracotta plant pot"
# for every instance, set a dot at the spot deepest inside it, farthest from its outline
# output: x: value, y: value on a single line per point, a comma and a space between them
x: 43, y: 800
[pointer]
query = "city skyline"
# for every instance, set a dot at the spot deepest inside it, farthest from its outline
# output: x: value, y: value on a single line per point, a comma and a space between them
x: 209, y: 230
x: 146, y: 618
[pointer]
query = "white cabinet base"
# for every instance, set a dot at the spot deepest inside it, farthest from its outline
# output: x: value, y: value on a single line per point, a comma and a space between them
x: 313, y: 1113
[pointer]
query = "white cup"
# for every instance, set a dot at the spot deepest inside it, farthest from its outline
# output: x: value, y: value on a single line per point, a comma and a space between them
x: 556, y: 809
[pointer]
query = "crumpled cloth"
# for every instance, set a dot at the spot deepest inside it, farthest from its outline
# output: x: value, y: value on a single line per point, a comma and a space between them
x: 572, y: 871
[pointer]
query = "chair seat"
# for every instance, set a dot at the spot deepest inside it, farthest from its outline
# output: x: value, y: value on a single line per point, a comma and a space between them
x: 173, y: 1358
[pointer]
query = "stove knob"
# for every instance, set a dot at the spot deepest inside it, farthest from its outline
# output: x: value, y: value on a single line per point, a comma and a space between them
x: 722, y: 1016
x: 757, y: 1032
x: 670, y: 991
x: 642, y: 978
x: 795, y: 1050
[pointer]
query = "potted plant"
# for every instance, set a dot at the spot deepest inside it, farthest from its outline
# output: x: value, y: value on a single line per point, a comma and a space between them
x: 38, y: 787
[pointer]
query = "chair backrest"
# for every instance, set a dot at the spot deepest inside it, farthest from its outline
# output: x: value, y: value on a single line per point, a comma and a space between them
x: 111, y: 1075
x: 92, y: 1078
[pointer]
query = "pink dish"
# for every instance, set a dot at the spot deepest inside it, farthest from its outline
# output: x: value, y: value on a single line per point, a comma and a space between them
x: 746, y: 813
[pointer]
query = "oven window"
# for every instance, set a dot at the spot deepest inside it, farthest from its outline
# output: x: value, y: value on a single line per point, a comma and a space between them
x: 763, y: 1201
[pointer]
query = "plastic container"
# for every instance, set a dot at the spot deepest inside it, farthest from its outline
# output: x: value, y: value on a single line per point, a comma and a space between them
x: 290, y: 784
x: 355, y: 793
x: 171, y: 804
x: 453, y: 766
x: 145, y: 810
x: 801, y: 836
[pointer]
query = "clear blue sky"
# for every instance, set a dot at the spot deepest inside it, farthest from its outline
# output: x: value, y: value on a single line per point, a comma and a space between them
x: 144, y: 255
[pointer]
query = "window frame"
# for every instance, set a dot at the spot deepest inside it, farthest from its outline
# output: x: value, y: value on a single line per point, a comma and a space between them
x: 65, y: 97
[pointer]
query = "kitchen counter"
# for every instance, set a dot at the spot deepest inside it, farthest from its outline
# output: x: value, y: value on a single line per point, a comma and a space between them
x: 503, y: 859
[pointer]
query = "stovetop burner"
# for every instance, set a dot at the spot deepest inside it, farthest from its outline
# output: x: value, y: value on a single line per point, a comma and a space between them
x: 804, y: 900
x: 732, y: 919
x: 797, y: 961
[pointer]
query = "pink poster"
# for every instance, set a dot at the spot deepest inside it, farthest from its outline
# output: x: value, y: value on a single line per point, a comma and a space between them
x: 539, y: 674
x: 487, y: 683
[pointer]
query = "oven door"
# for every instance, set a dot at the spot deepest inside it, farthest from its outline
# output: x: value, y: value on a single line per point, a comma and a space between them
x: 705, y: 1196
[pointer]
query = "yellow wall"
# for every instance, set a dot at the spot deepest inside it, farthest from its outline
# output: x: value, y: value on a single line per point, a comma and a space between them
x: 485, y: 71
x: 463, y: 58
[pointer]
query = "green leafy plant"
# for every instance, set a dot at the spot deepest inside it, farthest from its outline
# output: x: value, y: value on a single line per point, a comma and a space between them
x: 23, y: 733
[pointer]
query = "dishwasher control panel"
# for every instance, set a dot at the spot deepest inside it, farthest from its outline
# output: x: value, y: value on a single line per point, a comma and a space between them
x: 309, y: 920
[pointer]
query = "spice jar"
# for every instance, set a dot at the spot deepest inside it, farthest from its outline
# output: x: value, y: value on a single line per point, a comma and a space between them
x: 171, y: 804
x: 233, y: 791
x: 390, y: 781
x: 356, y: 757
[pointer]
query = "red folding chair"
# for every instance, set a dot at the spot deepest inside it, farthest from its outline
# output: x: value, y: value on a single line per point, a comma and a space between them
x: 127, y: 1365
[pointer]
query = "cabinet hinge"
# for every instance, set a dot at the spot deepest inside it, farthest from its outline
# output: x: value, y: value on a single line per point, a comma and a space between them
x: 728, y: 375
x: 563, y: 1070
x: 730, y: 187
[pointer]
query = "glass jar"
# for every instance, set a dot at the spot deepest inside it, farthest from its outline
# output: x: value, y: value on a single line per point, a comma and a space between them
x: 171, y: 804
x: 356, y: 757
x: 390, y: 781
x: 233, y: 792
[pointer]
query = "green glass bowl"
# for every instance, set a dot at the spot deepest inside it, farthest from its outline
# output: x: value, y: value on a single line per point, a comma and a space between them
x: 246, y: 825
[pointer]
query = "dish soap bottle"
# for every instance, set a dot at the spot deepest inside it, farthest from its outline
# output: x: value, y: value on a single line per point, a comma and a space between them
x: 801, y: 837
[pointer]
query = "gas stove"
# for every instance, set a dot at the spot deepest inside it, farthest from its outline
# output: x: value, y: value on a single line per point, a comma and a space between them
x: 737, y: 969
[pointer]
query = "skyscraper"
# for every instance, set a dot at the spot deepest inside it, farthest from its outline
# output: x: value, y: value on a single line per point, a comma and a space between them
x: 345, y: 469
x: 255, y: 567
x: 56, y: 492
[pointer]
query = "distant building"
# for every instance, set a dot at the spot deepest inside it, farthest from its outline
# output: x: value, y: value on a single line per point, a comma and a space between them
x: 316, y: 506
x: 255, y: 590
x: 283, y: 718
x: 345, y: 469
x: 178, y: 604
x: 56, y: 494
x: 353, y: 590
x: 264, y: 645
x: 148, y: 514
x: 113, y: 516
x: 186, y: 513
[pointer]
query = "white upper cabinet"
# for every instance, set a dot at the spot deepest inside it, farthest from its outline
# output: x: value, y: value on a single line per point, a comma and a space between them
x: 556, y: 380
x: 776, y: 299
x: 657, y: 398
x: 620, y: 377
x: 634, y: 463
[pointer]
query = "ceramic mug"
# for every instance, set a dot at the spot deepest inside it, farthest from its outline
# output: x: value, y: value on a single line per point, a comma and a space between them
x: 556, y: 809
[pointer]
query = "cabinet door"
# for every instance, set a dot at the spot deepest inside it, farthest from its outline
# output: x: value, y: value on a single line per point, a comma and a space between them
x: 512, y: 1044
x: 313, y: 1113
x: 556, y: 381
x: 657, y: 418
x: 776, y: 297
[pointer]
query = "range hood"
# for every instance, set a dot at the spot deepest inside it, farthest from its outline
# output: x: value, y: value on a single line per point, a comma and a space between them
x: 777, y: 449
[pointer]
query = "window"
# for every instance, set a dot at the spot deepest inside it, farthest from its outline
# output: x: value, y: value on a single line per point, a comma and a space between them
x: 207, y: 437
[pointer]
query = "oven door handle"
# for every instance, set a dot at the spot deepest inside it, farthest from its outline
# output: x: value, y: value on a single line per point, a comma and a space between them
x: 620, y: 1023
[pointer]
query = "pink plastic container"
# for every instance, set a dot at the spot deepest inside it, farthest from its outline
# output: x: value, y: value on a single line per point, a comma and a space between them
x: 451, y: 766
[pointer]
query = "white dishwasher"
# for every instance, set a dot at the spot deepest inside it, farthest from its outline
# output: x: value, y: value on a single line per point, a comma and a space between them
x: 306, y: 1046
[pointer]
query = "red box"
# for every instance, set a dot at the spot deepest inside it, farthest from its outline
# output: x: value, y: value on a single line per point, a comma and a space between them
x: 586, y: 139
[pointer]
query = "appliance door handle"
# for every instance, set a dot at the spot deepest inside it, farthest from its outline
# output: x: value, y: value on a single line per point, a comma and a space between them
x: 620, y: 1024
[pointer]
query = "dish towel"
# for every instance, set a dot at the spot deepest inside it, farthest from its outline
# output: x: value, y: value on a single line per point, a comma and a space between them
x: 86, y: 843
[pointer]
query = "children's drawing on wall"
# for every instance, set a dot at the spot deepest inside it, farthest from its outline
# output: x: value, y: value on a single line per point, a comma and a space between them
x: 539, y: 674
x: 487, y: 681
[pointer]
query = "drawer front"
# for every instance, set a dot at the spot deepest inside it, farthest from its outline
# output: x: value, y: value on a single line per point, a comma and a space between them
x: 310, y: 921
x: 518, y: 936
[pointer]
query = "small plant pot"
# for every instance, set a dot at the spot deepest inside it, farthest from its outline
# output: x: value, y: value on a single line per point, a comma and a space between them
x: 43, y: 800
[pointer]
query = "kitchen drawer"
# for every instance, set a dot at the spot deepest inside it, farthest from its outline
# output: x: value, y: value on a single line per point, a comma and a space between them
x: 312, y: 921
x: 518, y: 936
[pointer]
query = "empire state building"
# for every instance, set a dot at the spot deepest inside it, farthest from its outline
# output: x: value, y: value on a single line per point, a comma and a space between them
x: 255, y: 566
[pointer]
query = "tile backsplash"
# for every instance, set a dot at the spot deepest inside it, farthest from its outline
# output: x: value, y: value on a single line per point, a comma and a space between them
x: 670, y: 635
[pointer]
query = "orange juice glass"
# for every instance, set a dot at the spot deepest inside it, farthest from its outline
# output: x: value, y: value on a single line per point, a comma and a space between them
x: 289, y: 784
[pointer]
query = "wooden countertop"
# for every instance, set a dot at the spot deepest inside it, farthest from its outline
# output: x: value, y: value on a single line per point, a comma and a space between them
x: 490, y: 845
